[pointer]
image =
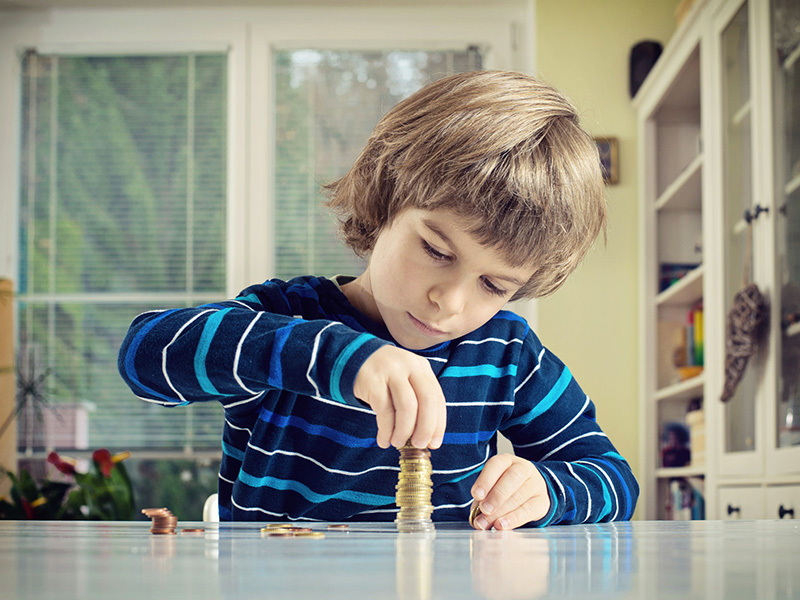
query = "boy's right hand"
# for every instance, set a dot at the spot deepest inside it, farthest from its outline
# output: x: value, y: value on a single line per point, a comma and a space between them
x: 406, y: 397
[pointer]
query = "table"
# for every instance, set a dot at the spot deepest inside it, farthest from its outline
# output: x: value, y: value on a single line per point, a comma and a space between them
x: 640, y: 559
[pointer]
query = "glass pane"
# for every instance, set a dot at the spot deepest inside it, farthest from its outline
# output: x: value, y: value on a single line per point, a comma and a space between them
x: 327, y: 103
x: 123, y: 194
x: 123, y: 174
x: 786, y: 28
x: 740, y: 434
x: 81, y: 401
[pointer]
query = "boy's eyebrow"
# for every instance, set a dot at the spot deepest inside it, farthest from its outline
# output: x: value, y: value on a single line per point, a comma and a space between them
x: 437, y: 230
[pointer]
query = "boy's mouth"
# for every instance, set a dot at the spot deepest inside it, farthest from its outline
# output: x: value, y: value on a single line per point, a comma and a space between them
x: 424, y: 328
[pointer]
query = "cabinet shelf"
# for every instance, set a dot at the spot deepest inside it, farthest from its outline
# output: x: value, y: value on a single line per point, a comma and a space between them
x: 792, y: 58
x: 684, y: 193
x: 673, y: 472
x: 686, y: 291
x: 683, y: 390
x: 792, y: 186
x: 741, y: 115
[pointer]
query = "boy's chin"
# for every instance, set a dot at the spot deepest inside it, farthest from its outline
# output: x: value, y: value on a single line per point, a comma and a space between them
x: 420, y: 344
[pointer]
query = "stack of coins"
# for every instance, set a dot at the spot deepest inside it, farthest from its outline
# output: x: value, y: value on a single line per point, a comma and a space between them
x: 414, y: 487
x: 163, y: 521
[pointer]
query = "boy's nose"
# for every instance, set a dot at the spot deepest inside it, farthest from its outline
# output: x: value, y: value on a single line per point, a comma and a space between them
x: 449, y: 296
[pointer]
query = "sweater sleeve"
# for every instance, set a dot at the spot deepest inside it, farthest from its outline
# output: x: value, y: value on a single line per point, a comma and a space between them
x: 238, y: 349
x: 553, y: 425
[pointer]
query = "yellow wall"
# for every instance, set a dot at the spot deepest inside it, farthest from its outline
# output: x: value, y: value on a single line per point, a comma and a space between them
x: 583, y: 48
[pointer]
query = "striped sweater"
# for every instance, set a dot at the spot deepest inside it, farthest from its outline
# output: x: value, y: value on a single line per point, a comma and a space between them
x: 297, y: 445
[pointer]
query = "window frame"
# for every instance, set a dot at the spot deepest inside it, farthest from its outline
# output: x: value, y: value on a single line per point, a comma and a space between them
x: 504, y: 32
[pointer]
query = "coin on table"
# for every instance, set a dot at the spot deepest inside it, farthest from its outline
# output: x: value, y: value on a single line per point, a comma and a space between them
x: 474, y: 513
x: 309, y: 534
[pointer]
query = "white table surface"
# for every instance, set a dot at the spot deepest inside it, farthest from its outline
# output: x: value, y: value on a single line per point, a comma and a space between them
x: 706, y: 559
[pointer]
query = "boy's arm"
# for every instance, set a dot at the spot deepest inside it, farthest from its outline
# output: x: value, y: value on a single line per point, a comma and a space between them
x: 553, y: 425
x: 236, y: 349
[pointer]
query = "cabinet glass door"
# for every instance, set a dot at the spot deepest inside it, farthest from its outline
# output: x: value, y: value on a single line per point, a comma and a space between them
x: 786, y: 80
x: 740, y: 424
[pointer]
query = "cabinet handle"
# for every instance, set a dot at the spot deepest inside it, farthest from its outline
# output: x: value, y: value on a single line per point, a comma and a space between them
x: 734, y: 509
x: 782, y: 512
x: 752, y: 215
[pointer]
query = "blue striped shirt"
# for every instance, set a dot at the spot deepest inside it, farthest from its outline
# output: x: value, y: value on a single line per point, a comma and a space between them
x: 282, y: 358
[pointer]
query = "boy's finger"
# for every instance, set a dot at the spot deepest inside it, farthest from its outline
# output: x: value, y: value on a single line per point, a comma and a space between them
x: 429, y: 397
x: 384, y: 415
x: 441, y: 424
x: 531, y: 510
x: 489, y: 475
x: 405, y: 412
x: 508, y: 491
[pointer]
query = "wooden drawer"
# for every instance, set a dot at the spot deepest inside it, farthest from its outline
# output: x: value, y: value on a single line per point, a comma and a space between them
x: 783, y: 502
x: 740, y: 502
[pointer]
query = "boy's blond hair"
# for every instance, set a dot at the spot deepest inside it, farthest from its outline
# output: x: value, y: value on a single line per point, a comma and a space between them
x: 502, y: 149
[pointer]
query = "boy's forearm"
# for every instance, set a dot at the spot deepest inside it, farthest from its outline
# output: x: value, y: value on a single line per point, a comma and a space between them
x: 591, y: 490
x: 227, y: 352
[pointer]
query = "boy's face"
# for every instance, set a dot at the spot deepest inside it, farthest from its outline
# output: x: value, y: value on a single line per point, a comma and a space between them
x: 430, y: 281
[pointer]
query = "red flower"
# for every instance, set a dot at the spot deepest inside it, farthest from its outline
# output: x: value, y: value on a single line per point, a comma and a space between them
x: 65, y: 467
x: 26, y: 506
x: 102, y: 458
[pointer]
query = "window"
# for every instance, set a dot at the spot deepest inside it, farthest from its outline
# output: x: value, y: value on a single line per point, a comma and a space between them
x: 160, y: 158
x: 122, y: 210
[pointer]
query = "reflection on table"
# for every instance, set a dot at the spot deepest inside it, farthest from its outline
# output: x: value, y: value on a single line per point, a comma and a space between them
x: 61, y: 560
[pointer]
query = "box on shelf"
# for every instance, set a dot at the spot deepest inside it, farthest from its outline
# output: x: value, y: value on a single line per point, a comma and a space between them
x: 696, y: 421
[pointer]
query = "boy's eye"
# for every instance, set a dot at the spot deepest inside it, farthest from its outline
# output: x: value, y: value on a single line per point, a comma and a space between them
x: 492, y: 288
x: 433, y: 252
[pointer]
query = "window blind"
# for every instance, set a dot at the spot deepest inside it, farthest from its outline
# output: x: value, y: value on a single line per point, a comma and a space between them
x: 122, y: 210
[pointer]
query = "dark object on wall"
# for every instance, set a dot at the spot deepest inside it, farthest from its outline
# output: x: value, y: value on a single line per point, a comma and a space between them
x: 643, y: 56
x: 608, y: 149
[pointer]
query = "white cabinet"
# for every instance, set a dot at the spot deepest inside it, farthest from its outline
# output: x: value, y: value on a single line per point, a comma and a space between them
x: 782, y: 502
x: 740, y: 502
x: 719, y: 133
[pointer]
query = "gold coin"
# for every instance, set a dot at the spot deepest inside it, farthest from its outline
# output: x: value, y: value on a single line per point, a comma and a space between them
x: 474, y: 513
x: 309, y: 534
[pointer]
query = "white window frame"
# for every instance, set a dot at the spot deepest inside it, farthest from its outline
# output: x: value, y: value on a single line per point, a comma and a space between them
x: 503, y: 30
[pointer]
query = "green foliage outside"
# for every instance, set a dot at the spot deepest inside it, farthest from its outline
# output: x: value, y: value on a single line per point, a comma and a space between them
x: 103, y: 493
x: 179, y: 485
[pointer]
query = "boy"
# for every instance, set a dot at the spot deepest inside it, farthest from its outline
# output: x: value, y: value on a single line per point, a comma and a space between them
x: 479, y: 189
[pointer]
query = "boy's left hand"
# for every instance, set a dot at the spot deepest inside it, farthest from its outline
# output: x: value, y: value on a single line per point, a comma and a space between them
x: 511, y: 492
